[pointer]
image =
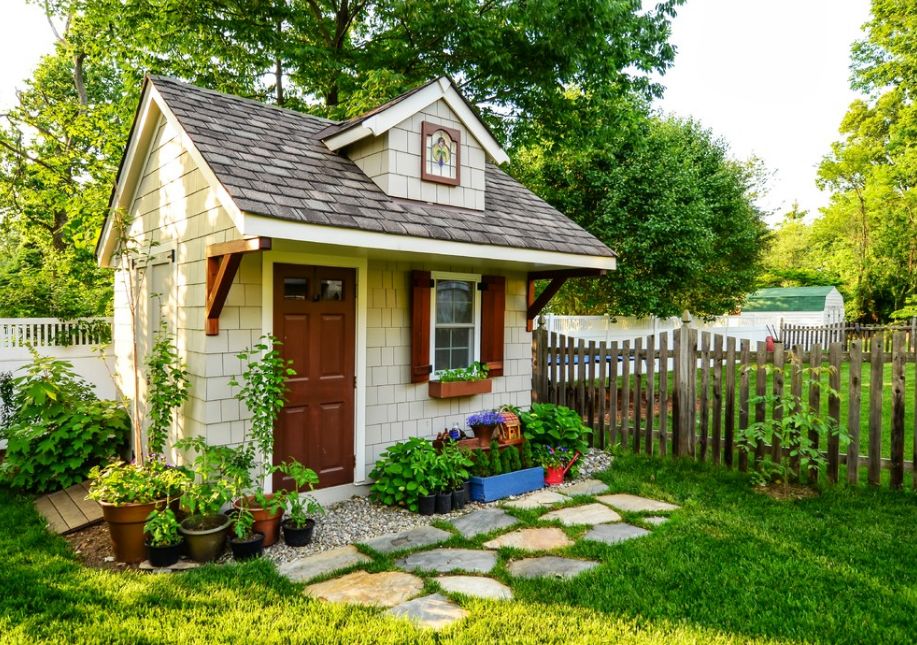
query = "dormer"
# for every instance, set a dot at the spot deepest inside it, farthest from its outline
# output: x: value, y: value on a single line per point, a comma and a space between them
x: 426, y: 145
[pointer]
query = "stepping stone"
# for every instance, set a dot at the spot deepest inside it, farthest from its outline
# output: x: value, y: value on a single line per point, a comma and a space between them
x: 477, y: 586
x: 434, y: 611
x: 614, y: 533
x: 636, y: 504
x: 587, y: 514
x: 532, y: 540
x: 655, y: 520
x: 312, y: 566
x: 411, y: 539
x: 385, y: 589
x: 540, y: 499
x: 549, y: 567
x: 586, y: 487
x: 483, y: 521
x: 445, y: 560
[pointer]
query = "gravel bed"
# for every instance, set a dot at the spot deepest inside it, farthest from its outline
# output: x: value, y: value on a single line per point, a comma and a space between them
x: 358, y: 518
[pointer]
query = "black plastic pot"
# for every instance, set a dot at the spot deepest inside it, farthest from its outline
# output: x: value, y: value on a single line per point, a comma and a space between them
x: 443, y: 502
x: 426, y: 504
x: 165, y: 556
x: 458, y: 498
x: 247, y: 549
x: 468, y: 491
x: 298, y: 536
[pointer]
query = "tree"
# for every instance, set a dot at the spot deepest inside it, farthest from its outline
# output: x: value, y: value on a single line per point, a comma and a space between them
x: 59, y: 148
x: 793, y: 257
x: 664, y: 194
x: 867, y: 231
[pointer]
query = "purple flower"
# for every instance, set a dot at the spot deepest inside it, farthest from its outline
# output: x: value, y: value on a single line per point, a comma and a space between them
x: 485, y: 418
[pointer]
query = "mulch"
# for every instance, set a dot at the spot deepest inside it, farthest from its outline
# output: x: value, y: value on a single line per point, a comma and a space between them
x: 92, y: 546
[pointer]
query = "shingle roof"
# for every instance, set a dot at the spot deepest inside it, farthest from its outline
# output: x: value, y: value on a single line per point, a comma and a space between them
x: 271, y: 163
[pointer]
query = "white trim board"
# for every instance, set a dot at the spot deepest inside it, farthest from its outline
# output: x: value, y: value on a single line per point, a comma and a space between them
x: 361, y: 265
x: 258, y: 225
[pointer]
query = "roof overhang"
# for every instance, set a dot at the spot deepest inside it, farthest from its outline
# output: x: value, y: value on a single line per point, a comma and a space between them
x: 133, y: 167
x: 384, y: 120
x: 261, y: 226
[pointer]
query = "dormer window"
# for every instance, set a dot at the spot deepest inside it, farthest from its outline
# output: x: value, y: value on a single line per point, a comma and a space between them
x: 440, y: 154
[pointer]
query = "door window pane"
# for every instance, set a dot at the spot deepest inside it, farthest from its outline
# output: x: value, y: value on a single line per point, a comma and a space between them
x: 332, y: 289
x: 295, y: 288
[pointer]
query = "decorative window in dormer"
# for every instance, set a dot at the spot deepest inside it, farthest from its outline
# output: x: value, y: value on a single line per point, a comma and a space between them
x: 440, y: 154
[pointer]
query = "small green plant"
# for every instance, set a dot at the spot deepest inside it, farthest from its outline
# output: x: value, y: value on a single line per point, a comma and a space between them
x: 243, y: 523
x: 168, y: 387
x: 301, y: 507
x: 403, y: 473
x: 59, y: 430
x: 791, y: 426
x: 528, y: 460
x: 161, y: 528
x: 219, y: 472
x: 557, y: 426
x: 457, y: 462
x: 481, y: 461
x: 496, y: 466
x: 477, y: 371
x: 506, y: 460
x: 6, y: 401
x: 121, y: 483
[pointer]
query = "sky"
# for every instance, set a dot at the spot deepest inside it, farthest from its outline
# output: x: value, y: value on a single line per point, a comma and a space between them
x: 771, y: 77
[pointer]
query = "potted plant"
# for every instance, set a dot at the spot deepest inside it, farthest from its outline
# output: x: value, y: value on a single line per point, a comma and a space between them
x: 483, y: 424
x: 464, y: 381
x: 262, y: 391
x: 298, y: 527
x: 205, y: 527
x: 403, y: 476
x: 246, y: 542
x: 495, y: 477
x: 548, y: 425
x: 440, y: 478
x: 164, y: 542
x: 128, y: 493
x: 458, y: 463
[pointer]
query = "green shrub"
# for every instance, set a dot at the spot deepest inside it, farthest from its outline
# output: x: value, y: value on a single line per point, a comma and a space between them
x: 59, y: 430
x: 403, y: 473
x: 528, y: 460
x: 506, y: 459
x: 557, y: 426
x: 496, y: 466
x: 481, y: 463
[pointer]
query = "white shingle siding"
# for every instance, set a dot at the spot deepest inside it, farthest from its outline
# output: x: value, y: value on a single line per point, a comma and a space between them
x: 392, y: 161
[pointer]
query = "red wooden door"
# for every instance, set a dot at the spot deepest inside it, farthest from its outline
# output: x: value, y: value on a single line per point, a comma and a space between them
x: 314, y: 316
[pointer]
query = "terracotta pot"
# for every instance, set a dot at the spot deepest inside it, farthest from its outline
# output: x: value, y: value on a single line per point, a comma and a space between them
x: 265, y: 522
x: 451, y: 389
x: 484, y: 435
x: 205, y: 536
x: 125, y: 523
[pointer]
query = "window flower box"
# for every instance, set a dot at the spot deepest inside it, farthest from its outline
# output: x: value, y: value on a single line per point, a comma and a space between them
x: 488, y: 489
x: 452, y: 389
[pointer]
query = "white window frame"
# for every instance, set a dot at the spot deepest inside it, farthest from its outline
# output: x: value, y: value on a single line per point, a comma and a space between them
x: 475, y: 314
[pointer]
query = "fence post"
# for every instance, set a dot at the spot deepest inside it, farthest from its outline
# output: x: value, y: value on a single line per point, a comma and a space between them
x: 684, y: 387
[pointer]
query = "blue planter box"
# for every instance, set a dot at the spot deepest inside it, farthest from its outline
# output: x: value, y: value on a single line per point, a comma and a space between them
x: 488, y: 489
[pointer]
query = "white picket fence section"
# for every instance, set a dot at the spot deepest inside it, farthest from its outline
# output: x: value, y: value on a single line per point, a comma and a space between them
x: 76, y: 341
x: 754, y: 327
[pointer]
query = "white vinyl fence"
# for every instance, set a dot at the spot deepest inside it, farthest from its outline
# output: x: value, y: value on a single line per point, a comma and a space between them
x: 755, y: 328
x: 76, y: 341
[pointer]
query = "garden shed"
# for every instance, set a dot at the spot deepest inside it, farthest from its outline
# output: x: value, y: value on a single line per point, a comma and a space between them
x: 381, y: 250
x: 796, y: 305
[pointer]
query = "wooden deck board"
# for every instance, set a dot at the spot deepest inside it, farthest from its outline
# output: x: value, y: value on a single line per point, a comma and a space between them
x: 69, y: 510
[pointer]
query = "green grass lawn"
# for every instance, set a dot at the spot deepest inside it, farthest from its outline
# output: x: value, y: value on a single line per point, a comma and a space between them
x: 732, y: 565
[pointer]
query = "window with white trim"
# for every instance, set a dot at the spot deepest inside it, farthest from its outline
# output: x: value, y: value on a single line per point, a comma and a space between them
x: 456, y: 324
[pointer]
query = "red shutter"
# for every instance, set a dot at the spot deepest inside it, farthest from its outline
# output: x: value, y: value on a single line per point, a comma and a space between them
x: 493, y: 321
x: 421, y: 283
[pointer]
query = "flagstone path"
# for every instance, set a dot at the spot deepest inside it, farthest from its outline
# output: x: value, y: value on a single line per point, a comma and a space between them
x: 398, y: 590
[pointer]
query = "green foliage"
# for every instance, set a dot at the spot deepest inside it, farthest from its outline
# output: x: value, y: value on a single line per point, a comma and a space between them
x: 664, y: 194
x: 791, y: 426
x: 6, y: 401
x: 477, y: 371
x: 456, y: 462
x: 506, y: 459
x: 908, y: 311
x: 556, y: 426
x: 168, y: 388
x: 496, y: 465
x: 481, y: 466
x: 161, y: 528
x: 528, y: 459
x: 262, y: 391
x: 300, y: 506
x: 58, y: 430
x: 121, y: 483
x: 220, y: 474
x: 243, y: 522
x: 404, y: 472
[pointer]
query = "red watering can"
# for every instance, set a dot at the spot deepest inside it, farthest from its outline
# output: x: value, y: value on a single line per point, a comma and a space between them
x: 554, y: 475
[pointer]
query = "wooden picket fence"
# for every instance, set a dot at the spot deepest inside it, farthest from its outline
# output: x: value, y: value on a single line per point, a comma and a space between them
x: 690, y: 394
x: 807, y: 336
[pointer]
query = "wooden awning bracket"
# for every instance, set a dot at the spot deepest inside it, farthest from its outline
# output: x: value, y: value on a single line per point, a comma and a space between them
x: 223, y: 261
x: 557, y: 278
